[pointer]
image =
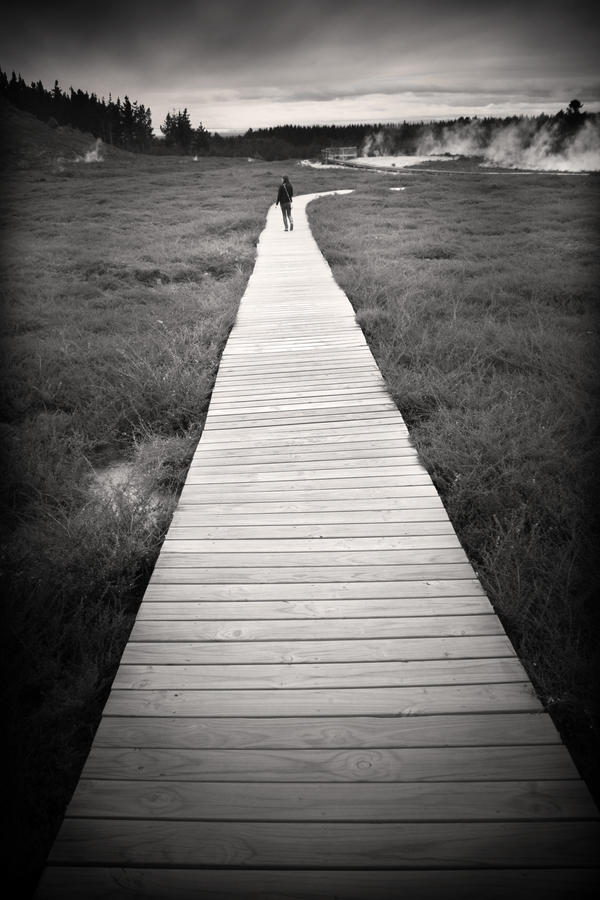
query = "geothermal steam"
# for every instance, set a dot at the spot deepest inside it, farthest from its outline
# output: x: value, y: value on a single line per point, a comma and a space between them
x: 524, y: 144
x: 519, y: 146
x: 96, y: 154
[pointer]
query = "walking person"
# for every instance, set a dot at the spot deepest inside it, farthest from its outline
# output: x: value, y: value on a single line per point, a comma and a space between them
x: 284, y: 199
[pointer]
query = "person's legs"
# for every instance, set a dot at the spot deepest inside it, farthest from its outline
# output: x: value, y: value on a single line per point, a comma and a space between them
x: 286, y: 211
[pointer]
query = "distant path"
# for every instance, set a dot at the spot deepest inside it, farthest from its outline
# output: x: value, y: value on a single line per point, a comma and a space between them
x: 317, y: 699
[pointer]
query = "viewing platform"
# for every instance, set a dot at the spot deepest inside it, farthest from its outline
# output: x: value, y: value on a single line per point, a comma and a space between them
x: 339, y: 154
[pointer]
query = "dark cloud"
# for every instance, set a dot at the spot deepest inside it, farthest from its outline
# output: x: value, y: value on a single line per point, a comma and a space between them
x: 201, y: 32
x: 309, y: 51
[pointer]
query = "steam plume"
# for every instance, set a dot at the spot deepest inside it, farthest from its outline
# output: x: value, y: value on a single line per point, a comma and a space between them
x: 542, y: 144
x: 378, y: 144
x: 520, y: 145
x: 96, y: 154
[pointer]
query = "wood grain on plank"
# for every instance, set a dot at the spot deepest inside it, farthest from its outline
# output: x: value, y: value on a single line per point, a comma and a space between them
x: 284, y: 455
x: 301, y: 391
x: 308, y: 435
x: 407, y: 467
x: 332, y: 802
x: 258, y: 844
x: 185, y: 652
x: 278, y: 388
x: 315, y: 450
x: 307, y: 629
x: 311, y: 609
x: 440, y: 765
x: 303, y: 509
x: 227, y: 574
x: 424, y: 512
x: 384, y: 427
x: 318, y: 675
x: 399, y: 701
x: 324, y: 530
x: 323, y: 481
x: 241, y: 409
x: 152, y: 883
x: 189, y: 546
x: 306, y: 493
x: 305, y: 732
x: 341, y: 590
x: 244, y: 430
x: 356, y: 455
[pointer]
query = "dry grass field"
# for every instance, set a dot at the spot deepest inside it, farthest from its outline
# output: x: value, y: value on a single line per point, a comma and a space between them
x: 121, y: 280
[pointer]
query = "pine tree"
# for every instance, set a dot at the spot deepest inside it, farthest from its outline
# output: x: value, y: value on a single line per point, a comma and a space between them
x: 178, y: 131
x: 185, y: 132
x: 201, y: 139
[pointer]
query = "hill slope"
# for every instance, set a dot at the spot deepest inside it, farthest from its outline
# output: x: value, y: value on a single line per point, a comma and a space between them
x: 28, y: 143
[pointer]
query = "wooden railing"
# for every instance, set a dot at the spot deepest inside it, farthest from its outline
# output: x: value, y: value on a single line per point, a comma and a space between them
x: 331, y: 154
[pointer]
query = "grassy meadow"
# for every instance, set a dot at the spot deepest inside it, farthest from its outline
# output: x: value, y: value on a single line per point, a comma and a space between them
x: 121, y: 281
x: 478, y: 296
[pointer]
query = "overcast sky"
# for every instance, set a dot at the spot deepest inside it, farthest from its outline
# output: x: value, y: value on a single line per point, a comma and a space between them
x: 237, y: 64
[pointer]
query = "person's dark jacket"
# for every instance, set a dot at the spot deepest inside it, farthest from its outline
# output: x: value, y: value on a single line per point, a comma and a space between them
x: 285, y: 193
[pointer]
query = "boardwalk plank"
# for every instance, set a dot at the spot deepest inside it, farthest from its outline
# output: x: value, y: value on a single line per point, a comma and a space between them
x: 233, y: 884
x: 366, y: 765
x: 299, y: 510
x: 332, y: 802
x: 307, y: 629
x: 336, y: 433
x: 191, y: 546
x: 185, y: 652
x: 241, y: 410
x: 398, y: 701
x: 406, y: 467
x: 307, y: 492
x: 343, y: 590
x: 215, y: 532
x: 326, y: 383
x: 310, y: 574
x: 380, y: 476
x: 319, y: 675
x: 349, y: 452
x: 421, y: 510
x: 353, y: 390
x: 259, y: 844
x: 302, y: 732
x: 317, y: 609
x: 247, y: 428
x: 359, y: 382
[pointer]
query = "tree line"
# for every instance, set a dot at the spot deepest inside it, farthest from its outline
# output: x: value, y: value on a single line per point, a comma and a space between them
x: 128, y: 125
x: 121, y: 123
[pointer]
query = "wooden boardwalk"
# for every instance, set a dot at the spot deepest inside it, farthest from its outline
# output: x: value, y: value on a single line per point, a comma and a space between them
x: 317, y: 699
